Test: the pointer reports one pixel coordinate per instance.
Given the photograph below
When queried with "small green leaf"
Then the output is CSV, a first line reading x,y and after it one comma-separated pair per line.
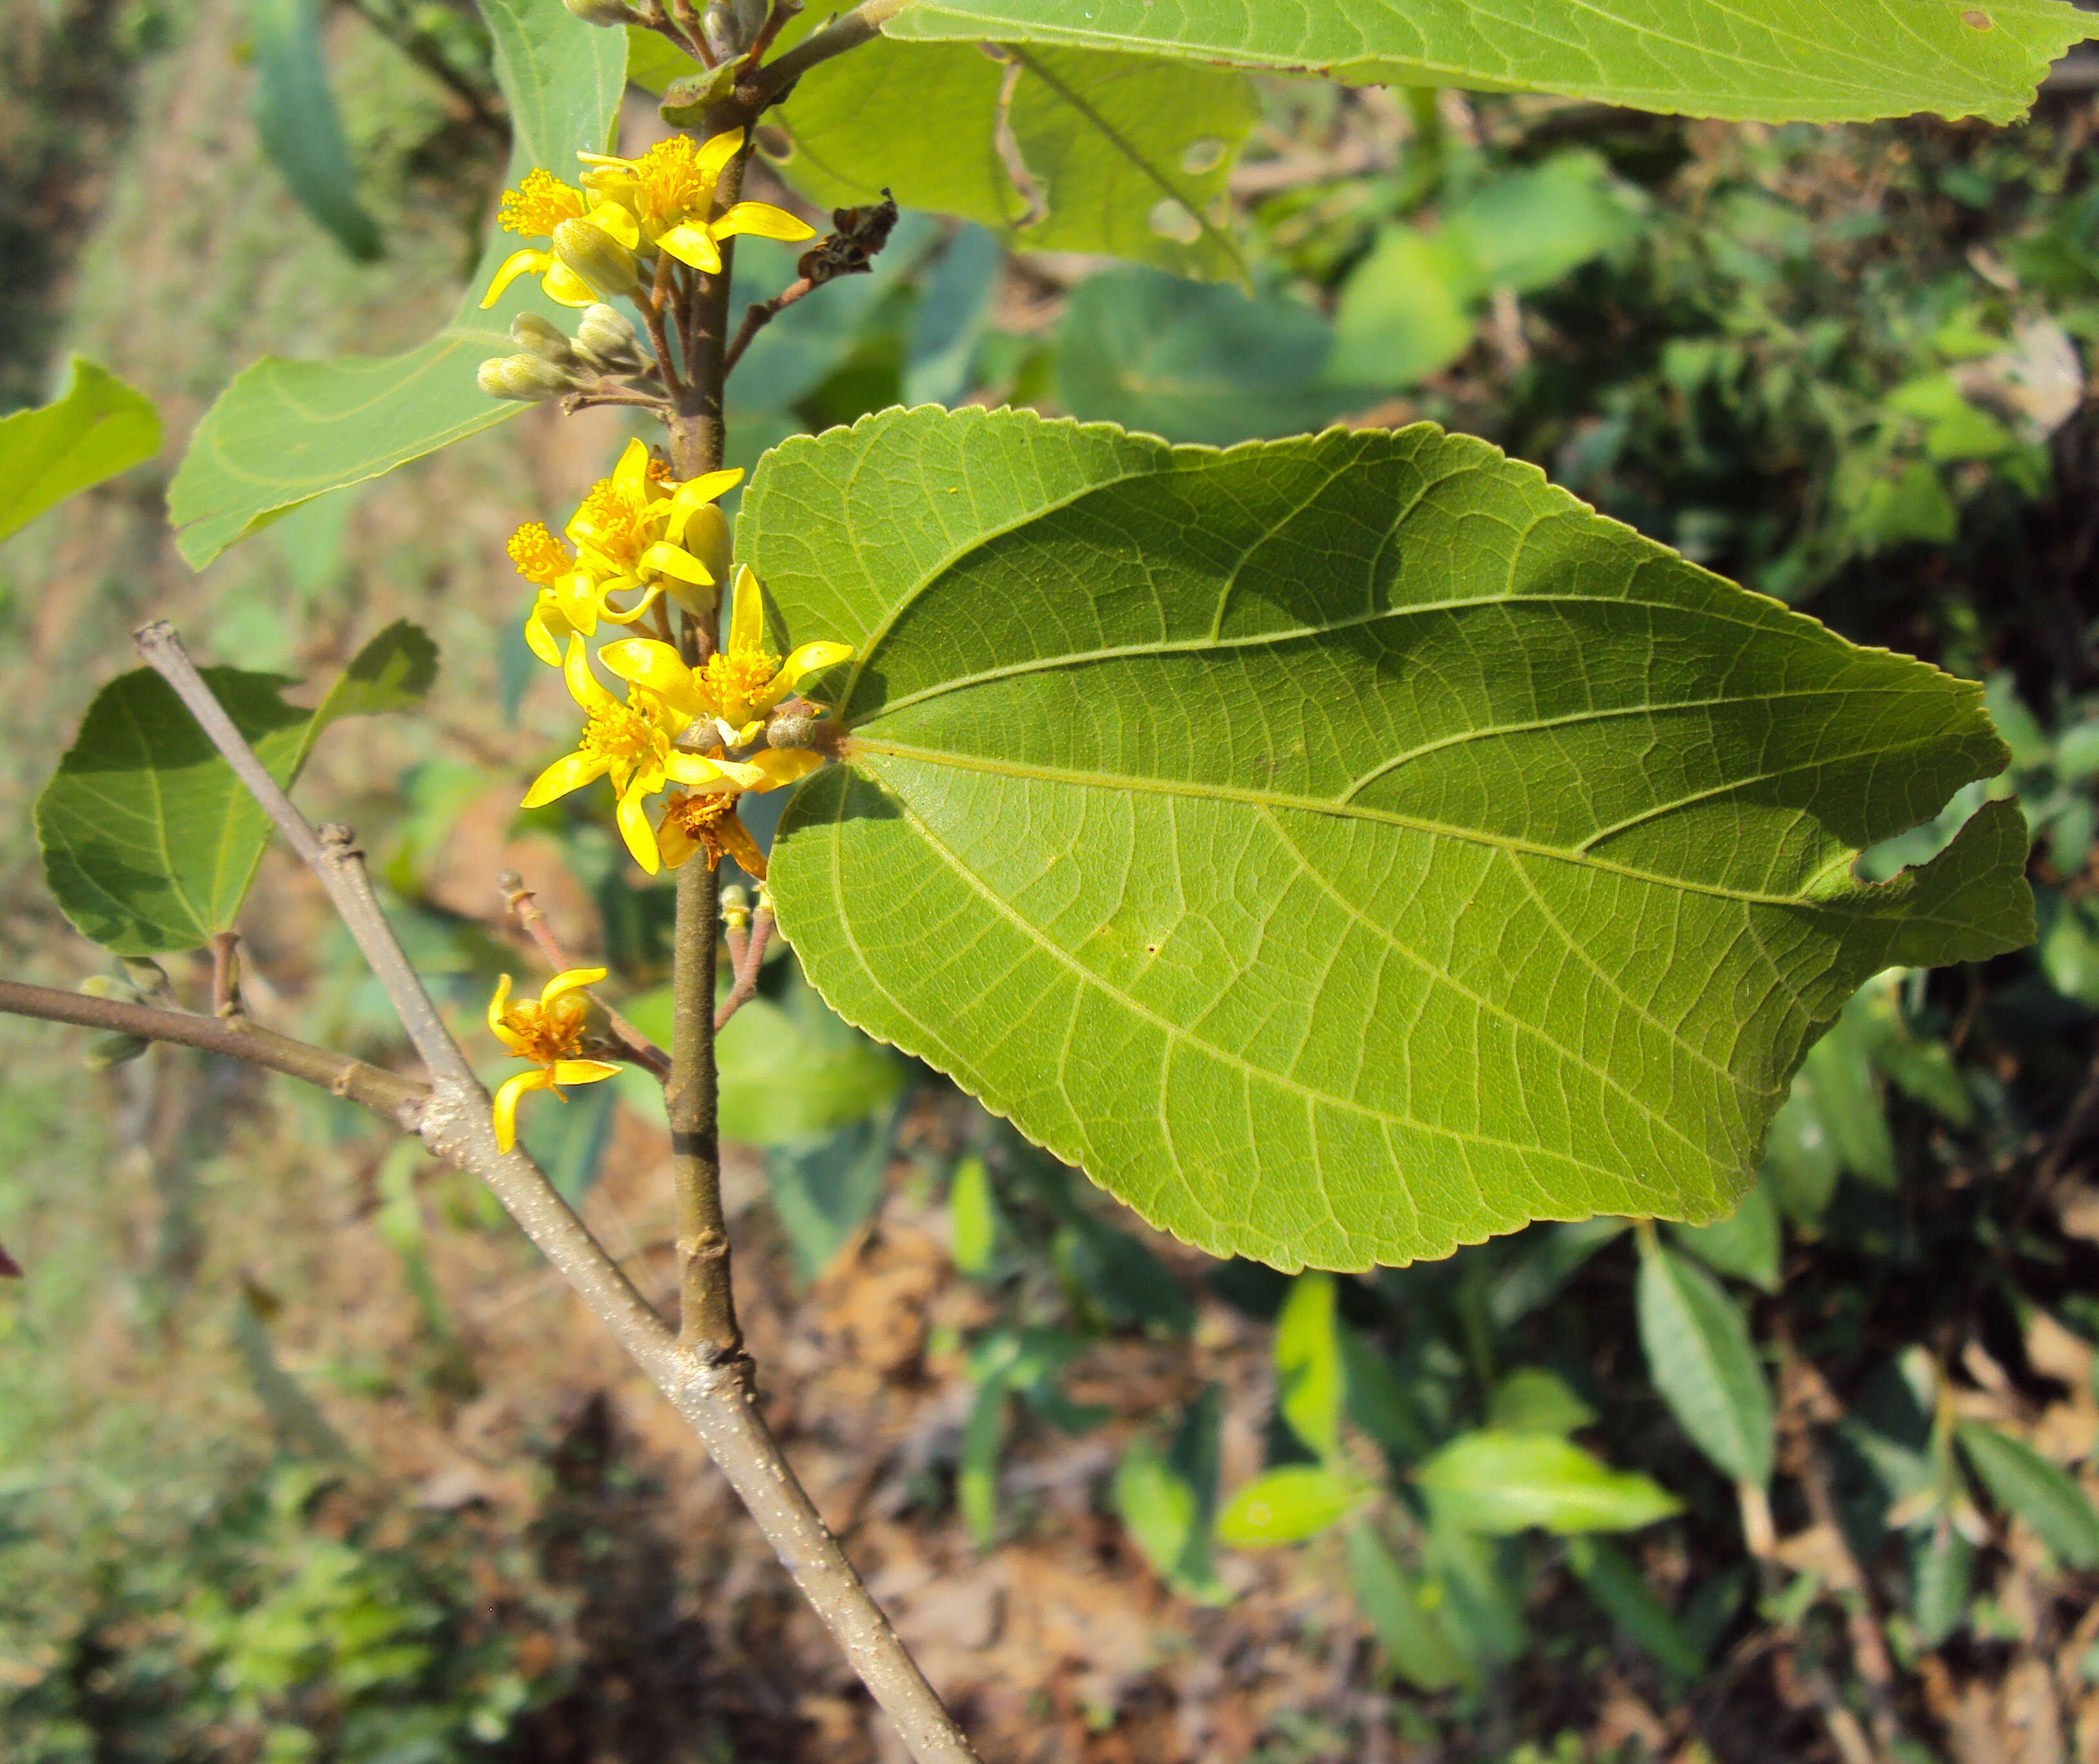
x,y
1167,1500
296,118
1288,1506
1848,60
1746,1243
984,1444
824,1190
286,431
973,1217
2046,1495
149,842
1377,1402
1243,788
1495,1484
1403,1608
1524,230
1405,311
1195,363
1611,1578
1128,1285
96,427
1942,1563
1309,1364
1531,1400
1701,1359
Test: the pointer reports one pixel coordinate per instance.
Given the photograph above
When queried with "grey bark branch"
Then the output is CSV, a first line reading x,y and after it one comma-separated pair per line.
x,y
715,1399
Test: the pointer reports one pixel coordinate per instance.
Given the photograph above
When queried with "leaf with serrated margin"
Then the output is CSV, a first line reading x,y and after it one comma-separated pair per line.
x,y
1128,155
95,428
1348,847
149,841
286,431
1768,61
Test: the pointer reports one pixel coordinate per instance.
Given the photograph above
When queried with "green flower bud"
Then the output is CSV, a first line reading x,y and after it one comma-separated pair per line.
x,y
526,378
599,258
612,15
605,340
111,1049
108,986
794,724
539,336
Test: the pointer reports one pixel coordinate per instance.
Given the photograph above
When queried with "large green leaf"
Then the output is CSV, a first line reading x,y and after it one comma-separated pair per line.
x,y
1841,60
1701,1359
286,431
1347,847
95,428
1123,154
1496,1484
149,841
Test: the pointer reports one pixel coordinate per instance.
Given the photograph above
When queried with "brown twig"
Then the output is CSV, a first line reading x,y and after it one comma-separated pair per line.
x,y
226,975
636,1046
399,1099
715,1397
747,962
758,315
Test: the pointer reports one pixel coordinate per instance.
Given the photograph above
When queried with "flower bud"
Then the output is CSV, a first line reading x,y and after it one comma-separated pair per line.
x,y
736,907
541,336
724,36
794,724
606,340
611,14
108,985
111,1049
526,378
599,258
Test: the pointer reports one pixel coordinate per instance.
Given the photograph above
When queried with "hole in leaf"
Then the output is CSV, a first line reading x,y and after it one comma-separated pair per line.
x,y
1172,220
1206,153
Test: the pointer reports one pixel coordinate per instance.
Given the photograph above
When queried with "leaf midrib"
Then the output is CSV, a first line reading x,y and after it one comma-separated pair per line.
x,y
1198,789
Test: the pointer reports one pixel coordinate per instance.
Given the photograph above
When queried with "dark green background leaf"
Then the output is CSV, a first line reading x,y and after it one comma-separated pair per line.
x,y
296,118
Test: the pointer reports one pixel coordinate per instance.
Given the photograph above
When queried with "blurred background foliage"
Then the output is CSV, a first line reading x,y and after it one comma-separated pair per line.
x,y
301,1458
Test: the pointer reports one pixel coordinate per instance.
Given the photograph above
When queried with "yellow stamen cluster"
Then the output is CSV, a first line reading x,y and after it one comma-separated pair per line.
x,y
539,205
540,557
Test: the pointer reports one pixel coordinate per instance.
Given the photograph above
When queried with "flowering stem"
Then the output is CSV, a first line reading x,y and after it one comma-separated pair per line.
x,y
747,960
634,1045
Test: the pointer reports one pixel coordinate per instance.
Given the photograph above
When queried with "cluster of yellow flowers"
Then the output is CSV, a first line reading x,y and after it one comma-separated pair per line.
x,y
607,237
701,735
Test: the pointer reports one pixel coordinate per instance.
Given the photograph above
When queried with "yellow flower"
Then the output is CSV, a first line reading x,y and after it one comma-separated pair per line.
x,y
737,686
628,533
631,743
533,210
669,191
549,1033
695,822
568,603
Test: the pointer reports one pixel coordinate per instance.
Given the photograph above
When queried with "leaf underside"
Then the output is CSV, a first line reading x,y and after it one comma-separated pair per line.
x,y
1347,847
286,431
1838,61
1052,149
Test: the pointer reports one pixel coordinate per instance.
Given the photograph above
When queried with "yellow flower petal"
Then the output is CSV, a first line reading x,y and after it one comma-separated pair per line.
x,y
780,766
527,262
540,635
746,615
717,151
583,685
617,221
634,830
704,771
762,219
571,771
562,284
631,473
810,658
570,980
652,664
669,560
675,842
613,615
692,245
504,1116
584,1072
577,596
497,1004
736,840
